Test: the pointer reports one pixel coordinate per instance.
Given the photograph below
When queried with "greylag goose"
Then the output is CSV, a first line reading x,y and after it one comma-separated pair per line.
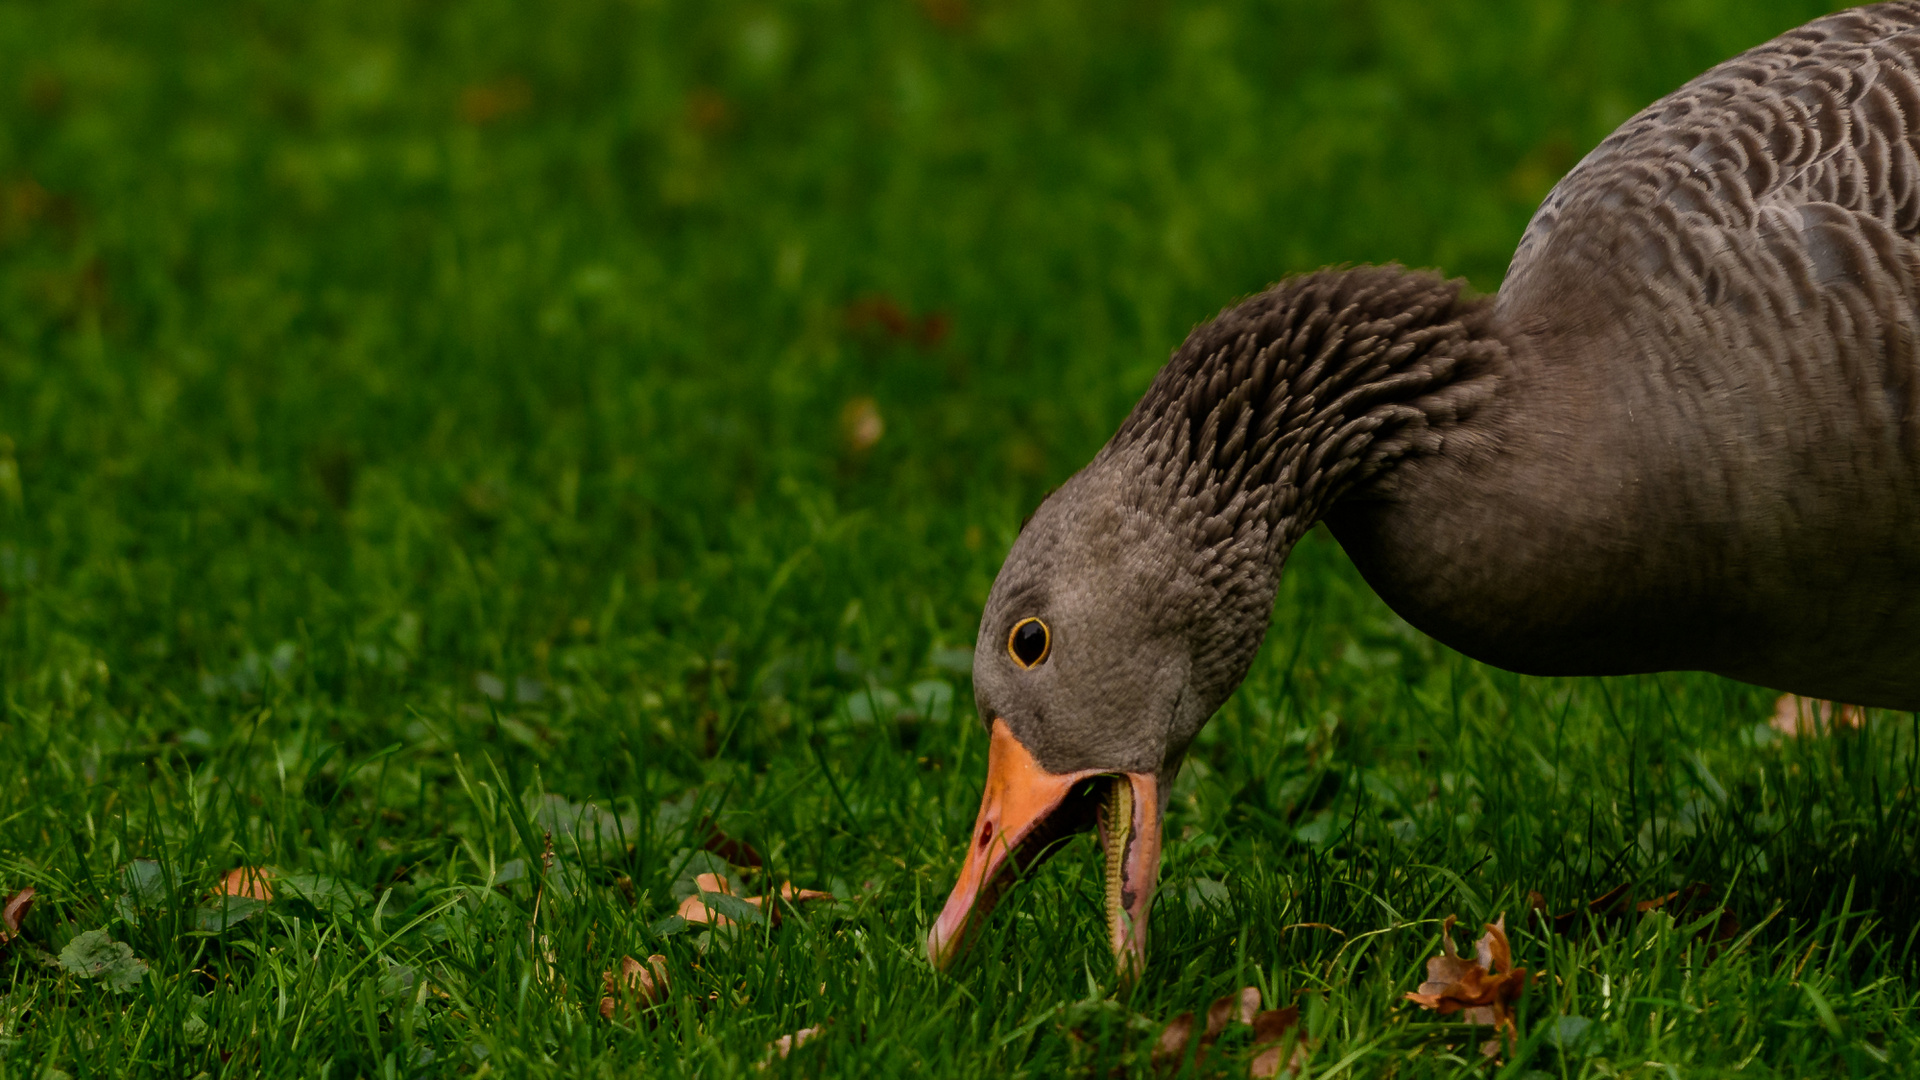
x,y
1684,435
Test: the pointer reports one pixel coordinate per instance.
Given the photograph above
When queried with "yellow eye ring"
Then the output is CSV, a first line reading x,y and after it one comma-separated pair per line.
x,y
1029,643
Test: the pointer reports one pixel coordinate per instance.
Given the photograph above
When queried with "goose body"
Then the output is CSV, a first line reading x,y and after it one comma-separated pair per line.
x,y
1685,434
1704,451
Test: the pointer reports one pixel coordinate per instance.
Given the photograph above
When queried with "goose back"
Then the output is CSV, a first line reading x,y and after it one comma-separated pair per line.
x,y
1705,448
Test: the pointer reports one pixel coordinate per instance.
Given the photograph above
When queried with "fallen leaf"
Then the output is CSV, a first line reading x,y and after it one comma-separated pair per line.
x,y
15,913
715,905
796,896
881,314
94,955
882,317
252,882
1270,1030
240,895
709,905
1171,1047
787,1044
860,425
1483,989
1794,715
1240,1007
1611,908
643,985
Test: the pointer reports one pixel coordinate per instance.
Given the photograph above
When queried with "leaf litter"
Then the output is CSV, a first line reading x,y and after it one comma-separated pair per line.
x,y
15,913
714,903
1483,990
243,893
635,986
1795,716
1610,910
1280,1046
779,1048
709,891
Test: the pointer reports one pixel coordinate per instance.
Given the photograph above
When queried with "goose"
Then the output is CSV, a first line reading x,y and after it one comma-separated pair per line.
x,y
1683,435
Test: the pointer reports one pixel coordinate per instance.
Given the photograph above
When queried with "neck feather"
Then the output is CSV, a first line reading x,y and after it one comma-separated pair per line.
x,y
1271,412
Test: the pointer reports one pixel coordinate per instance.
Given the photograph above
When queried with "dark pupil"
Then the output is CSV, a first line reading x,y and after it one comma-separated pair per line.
x,y
1030,643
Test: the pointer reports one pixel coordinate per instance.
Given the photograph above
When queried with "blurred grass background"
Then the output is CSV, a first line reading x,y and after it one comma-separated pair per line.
x,y
636,399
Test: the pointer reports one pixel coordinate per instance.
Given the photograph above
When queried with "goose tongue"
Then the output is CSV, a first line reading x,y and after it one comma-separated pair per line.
x,y
1130,837
1024,809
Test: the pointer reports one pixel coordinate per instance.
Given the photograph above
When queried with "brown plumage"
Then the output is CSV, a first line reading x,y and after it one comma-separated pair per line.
x,y
1684,435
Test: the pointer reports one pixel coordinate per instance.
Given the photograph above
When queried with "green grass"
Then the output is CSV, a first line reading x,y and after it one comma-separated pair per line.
x,y
413,415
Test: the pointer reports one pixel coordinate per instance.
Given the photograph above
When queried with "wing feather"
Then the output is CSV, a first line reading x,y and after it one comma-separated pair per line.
x,y
1766,213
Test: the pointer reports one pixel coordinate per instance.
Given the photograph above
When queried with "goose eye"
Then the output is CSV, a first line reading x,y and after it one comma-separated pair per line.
x,y
1029,643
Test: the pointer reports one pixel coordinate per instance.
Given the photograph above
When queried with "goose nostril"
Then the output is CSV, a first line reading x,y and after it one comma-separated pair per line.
x,y
986,833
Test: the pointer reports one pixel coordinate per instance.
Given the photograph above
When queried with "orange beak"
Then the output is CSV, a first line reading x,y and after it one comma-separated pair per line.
x,y
1025,808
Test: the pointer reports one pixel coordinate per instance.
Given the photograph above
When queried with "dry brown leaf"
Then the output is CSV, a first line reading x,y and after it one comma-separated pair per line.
x,y
252,882
1613,906
1240,1007
1482,990
795,896
1693,902
1537,903
879,315
1172,1044
787,1044
1270,1030
15,913
882,318
695,910
860,425
1794,715
636,984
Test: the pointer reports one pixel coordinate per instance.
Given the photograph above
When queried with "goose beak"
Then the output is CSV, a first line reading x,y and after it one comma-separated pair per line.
x,y
1026,808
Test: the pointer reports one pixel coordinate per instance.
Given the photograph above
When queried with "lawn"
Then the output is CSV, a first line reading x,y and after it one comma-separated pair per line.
x,y
490,463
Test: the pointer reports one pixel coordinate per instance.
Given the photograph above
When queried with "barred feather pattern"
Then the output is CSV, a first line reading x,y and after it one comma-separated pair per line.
x,y
1825,115
1756,227
1277,408
1285,402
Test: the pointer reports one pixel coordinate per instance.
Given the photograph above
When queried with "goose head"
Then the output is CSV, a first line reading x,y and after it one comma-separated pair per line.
x,y
1107,641
1137,596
